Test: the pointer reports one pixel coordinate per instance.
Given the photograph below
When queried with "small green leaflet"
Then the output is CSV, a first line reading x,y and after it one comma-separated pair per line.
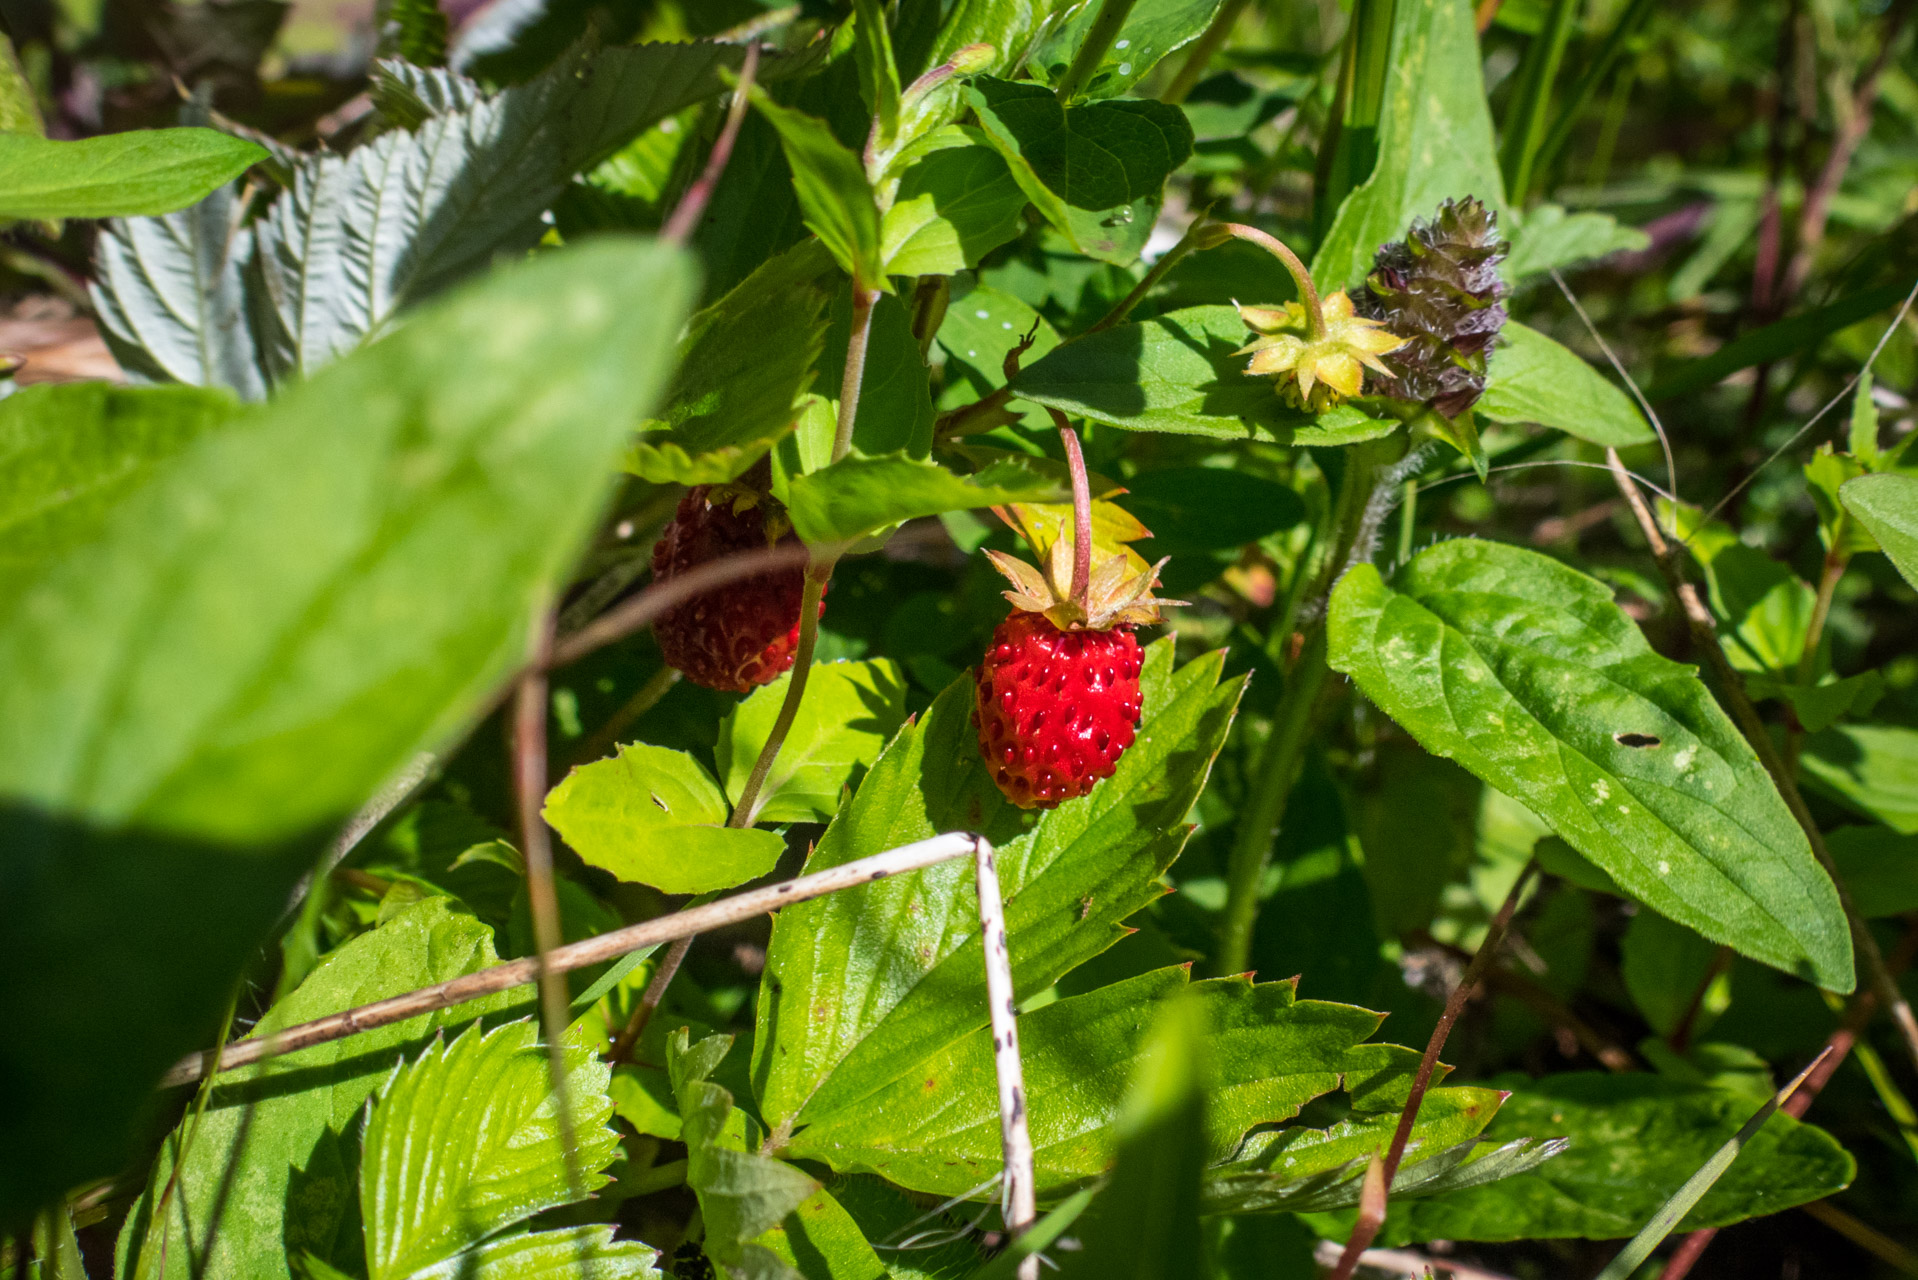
x,y
466,1141
1635,1138
1178,373
834,195
290,1149
1526,673
955,204
655,816
1095,172
1888,506
1531,378
143,172
849,711
857,496
1153,29
1550,238
1434,140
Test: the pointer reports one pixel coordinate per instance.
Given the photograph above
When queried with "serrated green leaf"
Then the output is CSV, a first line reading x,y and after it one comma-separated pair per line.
x,y
1549,238
849,1006
1434,140
70,453
744,363
467,1140
878,76
1869,768
143,172
1153,29
834,195
858,496
1635,1138
655,816
849,711
955,205
1888,506
569,1253
230,663
1526,673
285,1126
1531,378
1095,172
1178,373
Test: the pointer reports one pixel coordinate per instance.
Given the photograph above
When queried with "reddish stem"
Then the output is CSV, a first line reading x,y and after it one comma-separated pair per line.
x,y
692,205
1081,512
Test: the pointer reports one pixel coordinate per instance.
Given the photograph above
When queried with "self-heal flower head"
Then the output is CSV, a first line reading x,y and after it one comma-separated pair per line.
x,y
1316,373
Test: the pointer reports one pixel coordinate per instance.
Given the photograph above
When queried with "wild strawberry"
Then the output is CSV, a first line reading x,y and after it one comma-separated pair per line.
x,y
1058,690
738,637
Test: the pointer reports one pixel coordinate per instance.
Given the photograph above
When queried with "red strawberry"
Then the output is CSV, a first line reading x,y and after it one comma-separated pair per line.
x,y
1058,690
1056,708
738,637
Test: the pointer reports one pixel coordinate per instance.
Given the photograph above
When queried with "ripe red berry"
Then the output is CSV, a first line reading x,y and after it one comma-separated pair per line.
x,y
1056,708
738,637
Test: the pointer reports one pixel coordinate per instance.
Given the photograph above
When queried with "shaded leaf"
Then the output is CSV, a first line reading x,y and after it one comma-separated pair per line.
x,y
1178,373
1526,673
1879,867
1209,508
1888,506
849,711
1549,239
1531,378
1153,29
1798,335
857,496
654,815
140,172
955,204
215,675
1869,768
895,398
834,195
983,324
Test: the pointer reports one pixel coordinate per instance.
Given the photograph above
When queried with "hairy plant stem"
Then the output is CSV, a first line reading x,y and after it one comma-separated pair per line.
x,y
1099,37
692,205
536,846
863,301
1308,292
1704,632
1204,49
1293,721
1421,1082
746,811
1081,510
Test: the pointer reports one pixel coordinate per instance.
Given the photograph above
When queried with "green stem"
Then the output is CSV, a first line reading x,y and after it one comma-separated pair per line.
x,y
1408,519
1099,37
1203,50
1588,81
863,300
1525,122
1200,235
1350,147
747,808
1835,562
1302,278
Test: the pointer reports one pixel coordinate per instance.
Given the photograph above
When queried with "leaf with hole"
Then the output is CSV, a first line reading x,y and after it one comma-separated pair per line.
x,y
849,711
655,816
1524,671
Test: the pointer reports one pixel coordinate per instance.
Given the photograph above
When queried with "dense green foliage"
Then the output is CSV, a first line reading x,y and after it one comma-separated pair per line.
x,y
1489,673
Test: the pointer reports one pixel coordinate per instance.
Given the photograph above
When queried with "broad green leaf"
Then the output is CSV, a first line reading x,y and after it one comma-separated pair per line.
x,y
1526,673
1434,140
357,237
1533,379
1764,609
1662,964
861,986
1870,768
19,111
286,1127
467,1139
141,172
1209,508
955,205
654,815
1635,1138
233,660
744,363
984,323
834,195
935,1126
1145,1222
849,711
742,1194
857,496
819,1240
895,400
1178,373
1550,238
70,453
1888,506
569,1253
1879,867
1796,336
1153,29
1096,172
1826,474
1819,706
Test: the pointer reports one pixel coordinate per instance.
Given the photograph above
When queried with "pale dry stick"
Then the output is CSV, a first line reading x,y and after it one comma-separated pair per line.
x,y
1405,1262
1018,1198
577,955
1704,630
1367,1228
692,205
644,608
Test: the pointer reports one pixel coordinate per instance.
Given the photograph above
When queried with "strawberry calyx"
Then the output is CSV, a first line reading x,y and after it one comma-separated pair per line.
x,y
1116,596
